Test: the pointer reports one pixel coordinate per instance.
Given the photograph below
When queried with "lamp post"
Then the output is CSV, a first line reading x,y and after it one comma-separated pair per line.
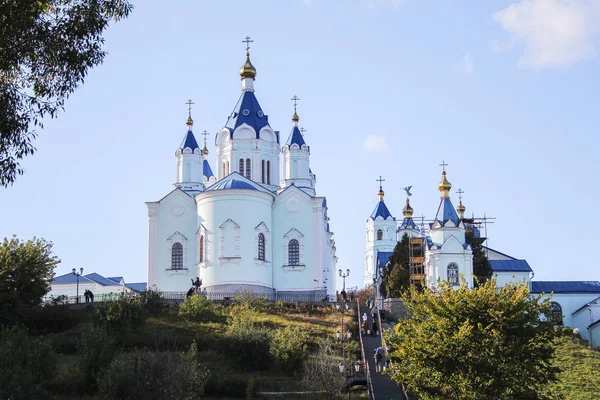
x,y
344,276
77,275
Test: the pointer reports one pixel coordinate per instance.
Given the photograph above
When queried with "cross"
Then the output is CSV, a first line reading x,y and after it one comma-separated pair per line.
x,y
302,130
380,180
295,100
247,41
205,134
189,103
460,193
443,165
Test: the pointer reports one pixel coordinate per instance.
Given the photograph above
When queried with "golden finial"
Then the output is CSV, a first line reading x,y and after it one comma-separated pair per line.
x,y
295,117
189,121
248,70
381,192
205,150
444,185
407,210
460,209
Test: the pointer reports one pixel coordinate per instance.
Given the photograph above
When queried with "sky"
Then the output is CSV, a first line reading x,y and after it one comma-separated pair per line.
x,y
505,92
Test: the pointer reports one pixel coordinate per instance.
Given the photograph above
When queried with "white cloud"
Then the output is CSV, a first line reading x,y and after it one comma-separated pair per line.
x,y
375,142
307,3
383,3
554,33
466,64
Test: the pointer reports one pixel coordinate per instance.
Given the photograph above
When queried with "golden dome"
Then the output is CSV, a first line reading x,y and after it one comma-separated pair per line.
x,y
248,70
295,117
460,208
407,210
444,186
380,194
189,121
205,150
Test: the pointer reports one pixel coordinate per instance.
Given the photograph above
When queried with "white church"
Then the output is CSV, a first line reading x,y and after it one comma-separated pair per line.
x,y
447,255
255,223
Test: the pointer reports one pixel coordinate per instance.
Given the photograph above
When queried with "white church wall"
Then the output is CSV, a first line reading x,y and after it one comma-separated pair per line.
x,y
584,318
570,302
503,278
175,214
294,216
247,210
373,246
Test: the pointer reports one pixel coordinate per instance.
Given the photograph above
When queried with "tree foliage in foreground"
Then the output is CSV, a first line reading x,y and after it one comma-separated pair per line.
x,y
26,270
396,278
486,344
46,50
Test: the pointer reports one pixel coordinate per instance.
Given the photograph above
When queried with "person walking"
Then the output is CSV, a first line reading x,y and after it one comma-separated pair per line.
x,y
379,359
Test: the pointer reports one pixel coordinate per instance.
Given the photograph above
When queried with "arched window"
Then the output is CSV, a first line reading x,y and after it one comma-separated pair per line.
x,y
293,252
177,256
248,168
224,173
379,234
452,276
201,250
263,171
556,314
268,172
261,247
241,166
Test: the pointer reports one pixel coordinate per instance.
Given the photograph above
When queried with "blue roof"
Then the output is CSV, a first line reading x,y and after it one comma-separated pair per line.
x,y
189,142
565,286
206,171
446,212
408,223
381,211
232,184
296,137
101,280
115,278
69,278
510,266
247,111
137,287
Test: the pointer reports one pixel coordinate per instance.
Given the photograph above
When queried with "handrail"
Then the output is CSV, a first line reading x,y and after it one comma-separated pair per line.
x,y
362,350
402,386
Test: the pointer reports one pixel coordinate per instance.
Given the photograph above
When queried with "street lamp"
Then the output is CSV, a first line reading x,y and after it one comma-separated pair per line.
x,y
344,276
77,275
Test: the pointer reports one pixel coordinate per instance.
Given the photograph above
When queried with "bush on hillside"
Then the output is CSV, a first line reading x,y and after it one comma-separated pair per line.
x,y
255,301
126,313
96,350
248,346
27,365
289,348
152,300
199,308
161,376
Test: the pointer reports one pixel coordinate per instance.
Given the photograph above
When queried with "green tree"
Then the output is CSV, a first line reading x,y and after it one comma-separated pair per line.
x,y
396,279
482,270
26,270
486,344
46,50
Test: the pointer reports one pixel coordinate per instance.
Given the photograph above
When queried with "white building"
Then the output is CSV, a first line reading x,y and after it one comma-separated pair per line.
x,y
72,285
257,224
448,255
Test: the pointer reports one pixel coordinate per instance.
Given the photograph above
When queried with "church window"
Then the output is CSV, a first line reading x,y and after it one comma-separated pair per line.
x,y
293,252
248,168
556,314
241,166
268,172
177,256
201,251
261,247
379,234
452,274
263,171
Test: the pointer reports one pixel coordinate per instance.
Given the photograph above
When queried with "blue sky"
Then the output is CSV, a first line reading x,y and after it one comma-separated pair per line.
x,y
506,92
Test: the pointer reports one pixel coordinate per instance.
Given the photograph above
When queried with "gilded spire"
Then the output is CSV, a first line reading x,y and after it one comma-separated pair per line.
x,y
295,117
460,209
190,121
444,186
381,193
407,210
248,70
205,150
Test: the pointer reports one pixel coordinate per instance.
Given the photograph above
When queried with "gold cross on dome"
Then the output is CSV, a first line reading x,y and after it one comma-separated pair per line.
x,y
247,41
443,165
205,134
189,103
460,193
380,180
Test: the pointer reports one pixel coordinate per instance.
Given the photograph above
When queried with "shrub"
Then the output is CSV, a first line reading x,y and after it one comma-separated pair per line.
x,y
145,375
123,314
321,373
27,365
248,346
288,348
228,386
152,301
96,350
256,301
198,308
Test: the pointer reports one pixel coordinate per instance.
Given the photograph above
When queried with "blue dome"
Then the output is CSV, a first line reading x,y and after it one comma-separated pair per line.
x,y
247,111
381,211
232,184
296,137
189,142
